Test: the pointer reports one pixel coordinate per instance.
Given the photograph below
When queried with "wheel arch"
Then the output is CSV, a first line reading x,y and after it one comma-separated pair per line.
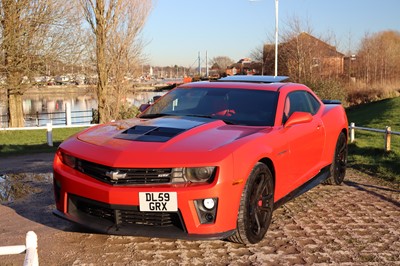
x,y
346,133
269,163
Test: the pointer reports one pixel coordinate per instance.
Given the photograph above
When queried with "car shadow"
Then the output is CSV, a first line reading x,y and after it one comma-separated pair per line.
x,y
31,196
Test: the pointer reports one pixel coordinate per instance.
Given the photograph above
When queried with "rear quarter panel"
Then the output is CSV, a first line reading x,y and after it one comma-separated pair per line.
x,y
335,121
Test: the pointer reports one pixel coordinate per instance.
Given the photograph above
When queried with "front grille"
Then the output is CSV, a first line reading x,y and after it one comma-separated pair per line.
x,y
125,176
161,219
122,215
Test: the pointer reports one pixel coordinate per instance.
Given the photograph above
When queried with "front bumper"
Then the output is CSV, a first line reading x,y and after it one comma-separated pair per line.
x,y
115,209
110,225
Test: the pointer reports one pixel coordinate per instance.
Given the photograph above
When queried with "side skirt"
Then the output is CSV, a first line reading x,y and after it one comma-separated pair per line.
x,y
313,182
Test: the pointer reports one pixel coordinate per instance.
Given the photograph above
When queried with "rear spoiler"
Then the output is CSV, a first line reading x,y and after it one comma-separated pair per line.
x,y
331,102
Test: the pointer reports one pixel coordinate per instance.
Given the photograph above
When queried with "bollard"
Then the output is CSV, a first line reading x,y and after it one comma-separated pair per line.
x,y
68,119
30,250
352,132
49,134
31,256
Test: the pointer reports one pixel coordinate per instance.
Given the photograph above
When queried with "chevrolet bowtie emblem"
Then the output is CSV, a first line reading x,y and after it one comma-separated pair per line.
x,y
115,175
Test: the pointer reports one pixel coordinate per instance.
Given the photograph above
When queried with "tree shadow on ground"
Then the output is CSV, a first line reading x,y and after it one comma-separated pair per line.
x,y
372,190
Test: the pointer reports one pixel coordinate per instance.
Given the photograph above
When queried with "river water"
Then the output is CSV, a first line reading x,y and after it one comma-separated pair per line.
x,y
41,107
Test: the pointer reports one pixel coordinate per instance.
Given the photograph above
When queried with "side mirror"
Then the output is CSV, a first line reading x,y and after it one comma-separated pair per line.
x,y
143,107
298,118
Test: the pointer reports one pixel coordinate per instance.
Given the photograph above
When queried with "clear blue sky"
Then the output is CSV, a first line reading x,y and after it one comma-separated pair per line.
x,y
177,30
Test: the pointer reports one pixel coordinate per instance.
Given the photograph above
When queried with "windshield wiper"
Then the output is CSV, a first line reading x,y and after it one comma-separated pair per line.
x,y
153,115
228,122
204,116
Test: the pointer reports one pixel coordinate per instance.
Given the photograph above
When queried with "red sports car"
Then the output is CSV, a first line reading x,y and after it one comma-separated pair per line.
x,y
208,160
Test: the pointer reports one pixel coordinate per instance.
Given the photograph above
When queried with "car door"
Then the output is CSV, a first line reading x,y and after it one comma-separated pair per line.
x,y
305,140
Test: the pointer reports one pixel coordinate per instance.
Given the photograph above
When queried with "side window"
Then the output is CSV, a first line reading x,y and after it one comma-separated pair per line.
x,y
286,110
314,104
300,101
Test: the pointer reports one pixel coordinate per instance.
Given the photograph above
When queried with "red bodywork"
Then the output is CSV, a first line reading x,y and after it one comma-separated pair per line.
x,y
295,152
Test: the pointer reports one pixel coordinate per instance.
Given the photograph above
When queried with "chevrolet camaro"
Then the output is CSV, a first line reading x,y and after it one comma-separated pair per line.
x,y
208,160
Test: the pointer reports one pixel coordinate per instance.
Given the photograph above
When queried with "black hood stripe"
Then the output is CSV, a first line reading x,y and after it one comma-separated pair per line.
x,y
161,129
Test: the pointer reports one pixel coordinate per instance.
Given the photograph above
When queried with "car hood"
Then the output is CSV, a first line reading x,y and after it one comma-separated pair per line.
x,y
169,134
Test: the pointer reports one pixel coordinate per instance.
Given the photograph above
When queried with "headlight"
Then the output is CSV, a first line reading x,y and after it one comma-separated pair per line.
x,y
198,174
193,174
67,159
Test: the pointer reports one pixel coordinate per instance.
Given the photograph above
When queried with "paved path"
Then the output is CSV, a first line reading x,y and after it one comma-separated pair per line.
x,y
357,223
33,163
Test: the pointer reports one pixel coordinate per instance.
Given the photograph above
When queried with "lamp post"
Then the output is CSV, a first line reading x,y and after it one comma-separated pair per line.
x,y
276,38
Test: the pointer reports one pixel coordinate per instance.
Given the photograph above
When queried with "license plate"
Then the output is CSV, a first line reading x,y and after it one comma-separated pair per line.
x,y
158,201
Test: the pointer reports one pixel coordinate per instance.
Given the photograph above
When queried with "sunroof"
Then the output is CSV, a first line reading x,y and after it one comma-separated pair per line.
x,y
259,79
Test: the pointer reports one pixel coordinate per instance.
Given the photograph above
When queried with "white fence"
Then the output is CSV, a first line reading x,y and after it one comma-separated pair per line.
x,y
30,250
387,131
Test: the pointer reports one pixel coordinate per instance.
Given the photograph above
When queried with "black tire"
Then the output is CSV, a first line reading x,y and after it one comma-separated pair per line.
x,y
339,163
256,206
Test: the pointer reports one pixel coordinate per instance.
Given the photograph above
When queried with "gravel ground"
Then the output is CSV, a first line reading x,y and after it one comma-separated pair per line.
x,y
356,223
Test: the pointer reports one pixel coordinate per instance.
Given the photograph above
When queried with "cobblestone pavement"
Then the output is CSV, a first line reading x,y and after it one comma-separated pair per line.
x,y
356,223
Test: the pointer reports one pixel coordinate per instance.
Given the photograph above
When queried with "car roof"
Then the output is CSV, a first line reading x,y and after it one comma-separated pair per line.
x,y
270,83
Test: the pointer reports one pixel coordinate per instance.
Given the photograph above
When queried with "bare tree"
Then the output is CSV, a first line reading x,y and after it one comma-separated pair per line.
x,y
257,54
33,32
378,59
116,27
292,55
221,63
302,56
298,51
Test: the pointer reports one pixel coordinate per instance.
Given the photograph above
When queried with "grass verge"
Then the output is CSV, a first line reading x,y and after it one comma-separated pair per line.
x,y
32,141
367,152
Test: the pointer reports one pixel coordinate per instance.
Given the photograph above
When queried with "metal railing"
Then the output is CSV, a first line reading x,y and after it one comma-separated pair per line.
x,y
30,250
4,120
40,119
55,118
387,131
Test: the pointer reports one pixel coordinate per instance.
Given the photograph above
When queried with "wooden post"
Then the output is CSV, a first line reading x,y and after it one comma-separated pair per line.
x,y
352,132
49,134
388,132
37,119
68,119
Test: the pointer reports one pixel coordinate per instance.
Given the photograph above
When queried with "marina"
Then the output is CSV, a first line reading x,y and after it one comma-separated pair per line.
x,y
48,103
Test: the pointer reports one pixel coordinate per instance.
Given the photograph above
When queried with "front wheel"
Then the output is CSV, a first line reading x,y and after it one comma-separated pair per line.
x,y
256,206
339,163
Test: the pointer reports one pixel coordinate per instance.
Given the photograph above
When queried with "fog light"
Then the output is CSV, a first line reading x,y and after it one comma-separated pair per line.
x,y
209,204
206,210
209,217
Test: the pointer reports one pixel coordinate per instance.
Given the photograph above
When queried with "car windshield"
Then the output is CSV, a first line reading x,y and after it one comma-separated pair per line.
x,y
234,106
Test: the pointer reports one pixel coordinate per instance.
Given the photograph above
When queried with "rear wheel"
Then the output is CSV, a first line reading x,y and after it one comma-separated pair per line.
x,y
339,163
256,206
